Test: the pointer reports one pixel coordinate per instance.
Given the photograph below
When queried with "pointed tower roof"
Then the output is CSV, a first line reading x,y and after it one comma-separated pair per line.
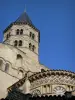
x,y
22,19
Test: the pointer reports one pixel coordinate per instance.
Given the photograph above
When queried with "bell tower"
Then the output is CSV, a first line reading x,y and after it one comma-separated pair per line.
x,y
23,35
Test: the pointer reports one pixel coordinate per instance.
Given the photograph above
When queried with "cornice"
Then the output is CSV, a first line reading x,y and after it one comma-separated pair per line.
x,y
48,73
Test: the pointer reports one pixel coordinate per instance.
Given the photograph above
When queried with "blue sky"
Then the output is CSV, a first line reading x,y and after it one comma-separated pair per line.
x,y
56,21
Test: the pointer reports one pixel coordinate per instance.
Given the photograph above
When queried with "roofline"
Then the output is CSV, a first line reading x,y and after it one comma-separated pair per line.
x,y
18,23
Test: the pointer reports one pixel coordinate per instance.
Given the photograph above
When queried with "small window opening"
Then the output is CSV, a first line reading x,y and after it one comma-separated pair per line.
x,y
15,43
21,31
19,56
30,45
7,36
1,63
30,34
17,32
6,67
20,43
33,48
33,36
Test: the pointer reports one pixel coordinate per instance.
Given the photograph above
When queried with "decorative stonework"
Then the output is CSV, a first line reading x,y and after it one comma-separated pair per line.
x,y
59,90
53,79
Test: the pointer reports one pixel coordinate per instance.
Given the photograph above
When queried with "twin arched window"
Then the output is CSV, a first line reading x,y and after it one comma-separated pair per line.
x,y
32,35
19,32
31,47
18,43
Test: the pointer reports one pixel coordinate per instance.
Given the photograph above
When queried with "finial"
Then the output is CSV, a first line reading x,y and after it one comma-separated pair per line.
x,y
25,8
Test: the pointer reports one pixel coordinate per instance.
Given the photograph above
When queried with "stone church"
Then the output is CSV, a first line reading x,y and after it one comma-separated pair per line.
x,y
20,67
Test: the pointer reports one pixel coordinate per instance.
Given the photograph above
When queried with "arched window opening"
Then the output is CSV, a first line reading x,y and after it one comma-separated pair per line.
x,y
33,48
17,32
20,42
7,36
33,36
30,34
15,43
1,63
30,45
6,67
19,56
21,31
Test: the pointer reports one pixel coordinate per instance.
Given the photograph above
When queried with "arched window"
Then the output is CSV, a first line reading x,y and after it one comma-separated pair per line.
x,y
33,36
19,56
17,32
30,34
20,42
7,36
33,48
6,67
1,63
21,31
15,43
30,45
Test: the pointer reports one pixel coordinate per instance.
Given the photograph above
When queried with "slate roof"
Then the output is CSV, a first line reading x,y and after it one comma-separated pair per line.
x,y
22,19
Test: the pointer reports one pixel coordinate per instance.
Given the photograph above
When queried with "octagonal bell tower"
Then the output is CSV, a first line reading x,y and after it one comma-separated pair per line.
x,y
23,35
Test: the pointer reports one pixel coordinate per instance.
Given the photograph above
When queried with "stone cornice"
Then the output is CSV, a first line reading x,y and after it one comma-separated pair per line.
x,y
42,75
51,72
